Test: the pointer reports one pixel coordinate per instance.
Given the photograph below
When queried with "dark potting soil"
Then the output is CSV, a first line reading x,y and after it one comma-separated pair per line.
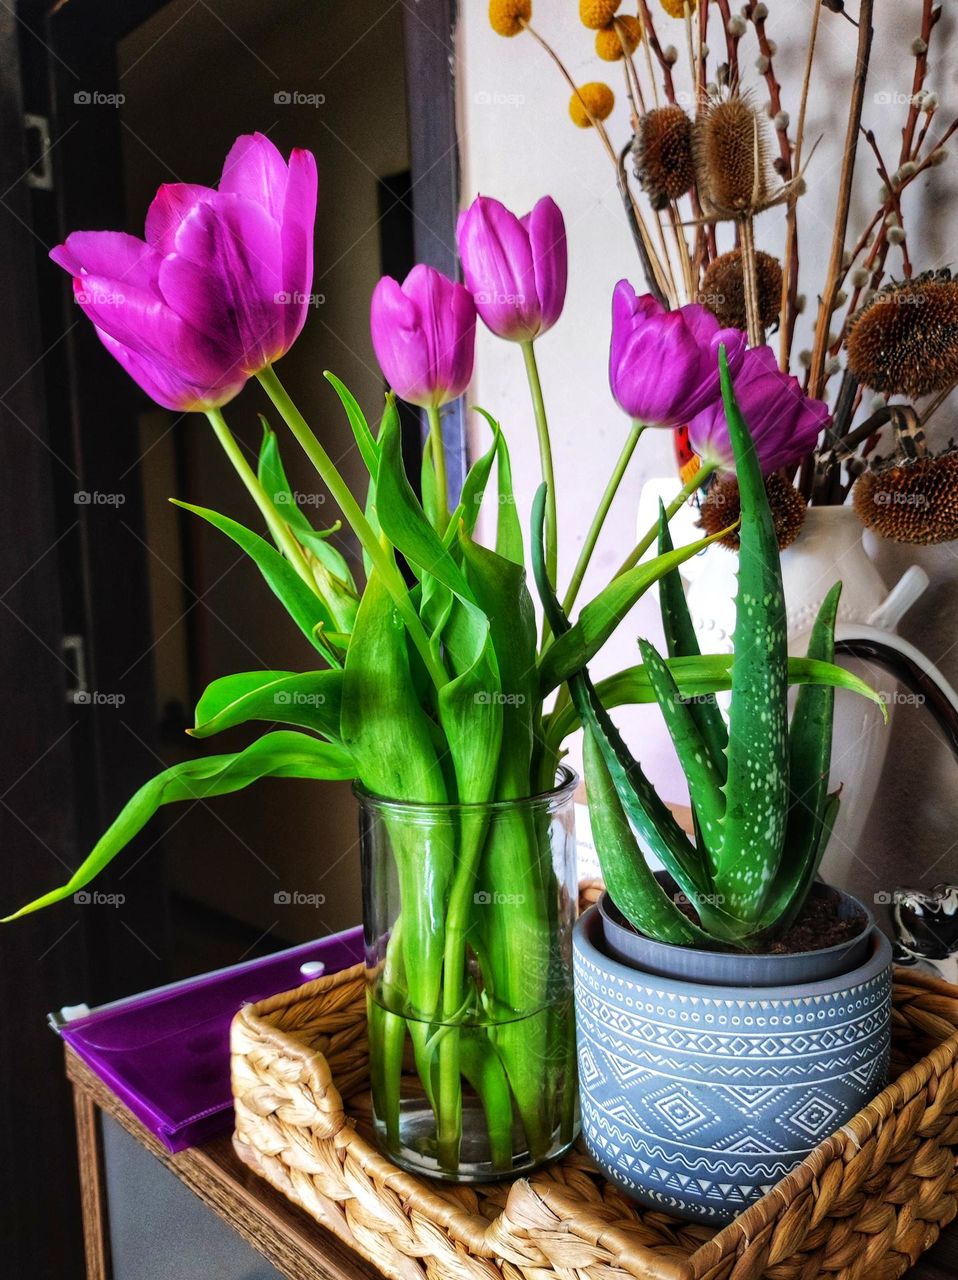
x,y
819,924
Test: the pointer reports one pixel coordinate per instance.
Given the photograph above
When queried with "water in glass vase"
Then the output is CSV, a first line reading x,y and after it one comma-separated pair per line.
x,y
468,914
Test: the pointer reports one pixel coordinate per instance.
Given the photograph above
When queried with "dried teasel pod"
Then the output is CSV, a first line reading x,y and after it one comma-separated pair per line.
x,y
911,499
663,155
722,507
731,154
723,289
904,340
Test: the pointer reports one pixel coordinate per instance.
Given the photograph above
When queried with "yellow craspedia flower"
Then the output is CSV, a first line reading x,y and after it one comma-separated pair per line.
x,y
625,31
597,13
508,17
676,8
593,101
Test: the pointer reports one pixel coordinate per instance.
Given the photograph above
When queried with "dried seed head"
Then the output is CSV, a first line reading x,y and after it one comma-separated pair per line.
x,y
722,507
597,14
592,101
731,158
610,40
509,17
911,500
904,341
723,289
662,151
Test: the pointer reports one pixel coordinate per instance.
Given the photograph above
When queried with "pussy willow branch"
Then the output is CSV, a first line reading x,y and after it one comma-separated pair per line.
x,y
827,303
895,195
731,43
649,32
784,165
650,268
790,258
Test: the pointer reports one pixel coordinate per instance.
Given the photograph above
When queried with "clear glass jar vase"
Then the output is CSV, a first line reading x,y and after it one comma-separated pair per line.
x,y
468,913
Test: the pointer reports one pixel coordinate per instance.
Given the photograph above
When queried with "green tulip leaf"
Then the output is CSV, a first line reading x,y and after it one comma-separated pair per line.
x,y
311,699
303,606
283,754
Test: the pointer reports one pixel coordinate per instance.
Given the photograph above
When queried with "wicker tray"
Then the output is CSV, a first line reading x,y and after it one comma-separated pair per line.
x,y
863,1206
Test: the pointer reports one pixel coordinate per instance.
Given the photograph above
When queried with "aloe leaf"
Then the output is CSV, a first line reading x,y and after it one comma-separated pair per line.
x,y
705,784
311,699
283,754
305,608
681,642
652,818
600,617
756,790
628,877
697,677
810,753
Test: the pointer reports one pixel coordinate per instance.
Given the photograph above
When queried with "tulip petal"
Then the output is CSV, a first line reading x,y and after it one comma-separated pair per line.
x,y
165,385
546,230
148,327
423,334
225,277
109,255
254,168
171,204
498,269
298,226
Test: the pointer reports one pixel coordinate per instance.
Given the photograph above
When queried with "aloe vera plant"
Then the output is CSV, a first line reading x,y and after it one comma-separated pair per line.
x,y
758,785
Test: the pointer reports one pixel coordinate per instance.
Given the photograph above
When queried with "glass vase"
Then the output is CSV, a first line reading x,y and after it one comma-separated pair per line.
x,y
468,913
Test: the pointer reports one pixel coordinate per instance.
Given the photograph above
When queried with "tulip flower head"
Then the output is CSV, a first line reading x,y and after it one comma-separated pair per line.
x,y
424,336
515,268
783,422
663,365
219,287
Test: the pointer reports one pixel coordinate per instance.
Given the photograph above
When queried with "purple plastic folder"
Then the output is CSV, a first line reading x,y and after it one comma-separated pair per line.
x,y
166,1053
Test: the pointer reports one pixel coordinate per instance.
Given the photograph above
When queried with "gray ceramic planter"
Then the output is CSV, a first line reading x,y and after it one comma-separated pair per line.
x,y
697,1098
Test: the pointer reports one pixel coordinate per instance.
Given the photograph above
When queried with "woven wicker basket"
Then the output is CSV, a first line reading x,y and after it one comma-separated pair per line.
x,y
863,1206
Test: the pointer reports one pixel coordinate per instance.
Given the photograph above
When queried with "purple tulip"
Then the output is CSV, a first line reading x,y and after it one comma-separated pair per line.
x,y
784,423
424,336
515,268
220,286
663,365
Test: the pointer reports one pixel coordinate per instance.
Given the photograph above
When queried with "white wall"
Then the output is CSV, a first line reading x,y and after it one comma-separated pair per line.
x,y
518,144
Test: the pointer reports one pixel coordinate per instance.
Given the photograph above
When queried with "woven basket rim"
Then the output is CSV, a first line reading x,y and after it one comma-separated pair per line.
x,y
479,1236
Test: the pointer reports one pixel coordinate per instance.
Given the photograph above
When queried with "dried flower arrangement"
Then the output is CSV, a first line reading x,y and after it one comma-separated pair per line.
x,y
884,336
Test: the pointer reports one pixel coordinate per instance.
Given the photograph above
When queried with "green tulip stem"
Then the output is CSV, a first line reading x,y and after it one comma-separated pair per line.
x,y
598,520
691,485
274,521
381,558
545,458
439,465
638,551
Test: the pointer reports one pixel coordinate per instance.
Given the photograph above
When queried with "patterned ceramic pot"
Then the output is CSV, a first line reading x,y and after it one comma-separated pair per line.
x,y
696,1099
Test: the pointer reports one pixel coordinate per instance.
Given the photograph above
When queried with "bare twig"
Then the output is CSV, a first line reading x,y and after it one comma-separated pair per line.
x,y
827,303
